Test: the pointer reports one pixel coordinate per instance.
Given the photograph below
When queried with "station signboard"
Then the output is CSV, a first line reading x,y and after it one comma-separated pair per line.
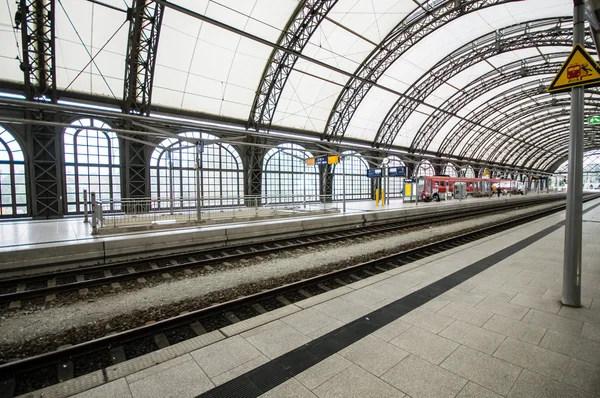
x,y
397,171
322,160
374,173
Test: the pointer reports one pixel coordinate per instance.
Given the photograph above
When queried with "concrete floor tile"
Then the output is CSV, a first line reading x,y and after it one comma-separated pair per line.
x,y
582,314
239,370
546,284
324,330
518,330
539,274
180,381
537,359
534,385
161,367
276,340
323,371
373,355
392,330
411,278
466,313
469,298
355,382
290,389
389,290
472,390
308,320
118,388
524,289
584,375
428,346
342,309
500,307
427,320
554,322
419,378
591,331
485,281
572,346
536,303
225,355
473,336
483,369
365,297
498,294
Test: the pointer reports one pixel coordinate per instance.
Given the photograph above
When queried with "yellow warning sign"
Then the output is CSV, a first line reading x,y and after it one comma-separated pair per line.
x,y
579,70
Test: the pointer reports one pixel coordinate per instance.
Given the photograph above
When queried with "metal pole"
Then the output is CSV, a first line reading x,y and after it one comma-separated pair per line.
x,y
85,207
572,261
94,214
198,213
170,182
344,185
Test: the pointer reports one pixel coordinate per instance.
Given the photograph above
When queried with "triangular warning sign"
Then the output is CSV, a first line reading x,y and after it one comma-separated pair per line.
x,y
579,70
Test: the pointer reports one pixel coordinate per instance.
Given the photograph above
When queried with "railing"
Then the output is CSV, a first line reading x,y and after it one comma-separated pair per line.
x,y
120,213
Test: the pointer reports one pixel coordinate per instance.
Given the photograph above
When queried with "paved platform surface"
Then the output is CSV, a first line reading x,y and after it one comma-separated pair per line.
x,y
481,320
27,233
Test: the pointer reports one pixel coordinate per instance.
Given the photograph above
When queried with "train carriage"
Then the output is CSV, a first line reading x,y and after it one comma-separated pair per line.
x,y
439,187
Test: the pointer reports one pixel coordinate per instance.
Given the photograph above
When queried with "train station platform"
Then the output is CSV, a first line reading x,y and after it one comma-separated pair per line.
x,y
33,243
480,320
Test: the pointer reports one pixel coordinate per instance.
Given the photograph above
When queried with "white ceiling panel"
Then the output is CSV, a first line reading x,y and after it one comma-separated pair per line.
x,y
371,19
370,114
10,52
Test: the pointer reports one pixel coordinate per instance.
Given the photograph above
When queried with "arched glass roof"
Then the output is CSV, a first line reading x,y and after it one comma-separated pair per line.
x,y
446,78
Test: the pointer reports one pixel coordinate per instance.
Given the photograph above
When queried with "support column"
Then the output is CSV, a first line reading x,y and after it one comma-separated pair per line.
x,y
46,168
572,261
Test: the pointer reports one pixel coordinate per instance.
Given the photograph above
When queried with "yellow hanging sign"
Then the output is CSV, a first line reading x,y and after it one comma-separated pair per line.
x,y
579,70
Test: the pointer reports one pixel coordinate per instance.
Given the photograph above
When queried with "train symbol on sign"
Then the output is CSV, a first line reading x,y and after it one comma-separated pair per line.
x,y
577,72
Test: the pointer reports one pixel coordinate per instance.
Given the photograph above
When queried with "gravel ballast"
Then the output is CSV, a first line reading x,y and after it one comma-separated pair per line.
x,y
30,331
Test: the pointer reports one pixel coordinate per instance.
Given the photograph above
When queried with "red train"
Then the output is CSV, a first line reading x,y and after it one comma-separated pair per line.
x,y
434,187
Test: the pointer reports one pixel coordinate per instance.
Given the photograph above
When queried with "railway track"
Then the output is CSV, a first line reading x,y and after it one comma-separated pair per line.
x,y
36,372
46,287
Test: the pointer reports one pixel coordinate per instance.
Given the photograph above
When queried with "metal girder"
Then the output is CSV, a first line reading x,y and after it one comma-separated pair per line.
x,y
539,33
36,18
563,143
44,167
253,162
308,16
145,18
531,125
539,130
144,31
417,25
560,144
515,114
37,34
461,130
534,66
552,129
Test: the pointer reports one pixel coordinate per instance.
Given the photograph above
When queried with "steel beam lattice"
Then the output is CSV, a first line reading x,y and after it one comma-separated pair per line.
x,y
534,66
142,44
410,31
38,42
541,33
308,16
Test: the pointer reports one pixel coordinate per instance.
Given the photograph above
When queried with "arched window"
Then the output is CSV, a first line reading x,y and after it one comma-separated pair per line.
x,y
92,163
285,176
173,172
13,188
396,183
358,185
469,172
425,169
450,170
